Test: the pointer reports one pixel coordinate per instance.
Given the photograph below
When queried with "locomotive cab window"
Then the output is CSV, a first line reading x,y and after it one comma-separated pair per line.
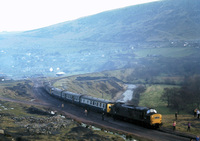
x,y
151,111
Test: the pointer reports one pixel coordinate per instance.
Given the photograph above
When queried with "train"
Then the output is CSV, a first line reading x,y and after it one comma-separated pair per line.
x,y
144,116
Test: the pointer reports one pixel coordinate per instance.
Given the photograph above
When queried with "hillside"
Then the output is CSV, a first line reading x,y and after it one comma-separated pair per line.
x,y
158,21
96,85
106,41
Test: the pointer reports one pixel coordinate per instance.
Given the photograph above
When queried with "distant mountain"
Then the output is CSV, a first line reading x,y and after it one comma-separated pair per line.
x,y
104,41
158,21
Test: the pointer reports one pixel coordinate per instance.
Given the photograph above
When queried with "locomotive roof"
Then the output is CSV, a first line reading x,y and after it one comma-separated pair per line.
x,y
57,89
96,99
71,93
134,107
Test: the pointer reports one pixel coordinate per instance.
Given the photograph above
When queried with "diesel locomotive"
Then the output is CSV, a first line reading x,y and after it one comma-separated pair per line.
x,y
140,115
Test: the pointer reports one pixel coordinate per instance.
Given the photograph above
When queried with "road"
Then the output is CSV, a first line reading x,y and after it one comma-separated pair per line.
x,y
94,118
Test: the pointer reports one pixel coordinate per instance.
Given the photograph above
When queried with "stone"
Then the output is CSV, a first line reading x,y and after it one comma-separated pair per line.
x,y
1,131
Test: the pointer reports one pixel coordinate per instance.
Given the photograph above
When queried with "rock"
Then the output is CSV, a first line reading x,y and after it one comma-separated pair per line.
x,y
1,131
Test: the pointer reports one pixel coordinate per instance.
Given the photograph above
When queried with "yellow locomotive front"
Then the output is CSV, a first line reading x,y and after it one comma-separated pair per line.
x,y
156,120
153,118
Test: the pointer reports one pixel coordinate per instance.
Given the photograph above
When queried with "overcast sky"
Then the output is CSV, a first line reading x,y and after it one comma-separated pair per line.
x,y
20,15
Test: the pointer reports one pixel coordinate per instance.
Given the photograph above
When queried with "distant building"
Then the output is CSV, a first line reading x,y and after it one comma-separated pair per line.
x,y
60,73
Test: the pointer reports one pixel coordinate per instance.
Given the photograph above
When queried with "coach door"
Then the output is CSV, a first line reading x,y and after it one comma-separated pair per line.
x,y
109,107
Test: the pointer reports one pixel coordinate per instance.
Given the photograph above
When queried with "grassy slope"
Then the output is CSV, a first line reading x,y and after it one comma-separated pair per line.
x,y
100,86
151,98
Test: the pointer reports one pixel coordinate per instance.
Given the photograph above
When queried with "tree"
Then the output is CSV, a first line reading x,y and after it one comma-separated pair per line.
x,y
191,89
173,97
187,97
177,101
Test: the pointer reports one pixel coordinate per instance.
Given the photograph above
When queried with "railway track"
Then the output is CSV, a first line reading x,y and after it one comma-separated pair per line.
x,y
94,118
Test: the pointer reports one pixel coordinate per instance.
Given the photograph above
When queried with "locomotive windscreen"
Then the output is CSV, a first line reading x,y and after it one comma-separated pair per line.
x,y
151,111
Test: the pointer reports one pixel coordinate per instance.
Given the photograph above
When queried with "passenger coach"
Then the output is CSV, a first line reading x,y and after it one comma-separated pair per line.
x,y
99,105
71,97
